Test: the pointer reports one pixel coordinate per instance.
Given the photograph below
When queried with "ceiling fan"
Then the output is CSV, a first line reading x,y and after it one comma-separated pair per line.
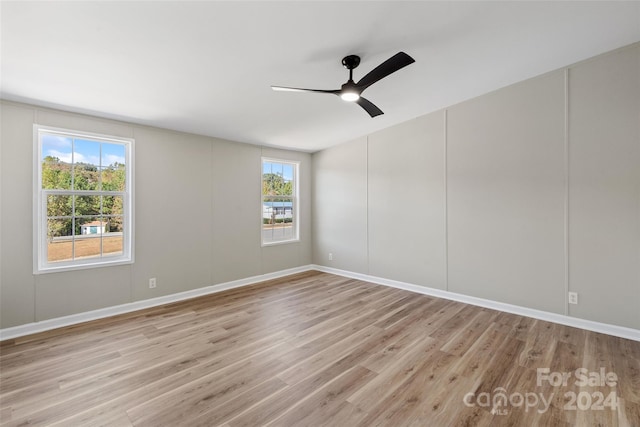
x,y
351,90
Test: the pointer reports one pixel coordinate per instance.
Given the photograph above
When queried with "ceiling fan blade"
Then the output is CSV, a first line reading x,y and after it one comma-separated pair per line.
x,y
369,107
296,89
391,65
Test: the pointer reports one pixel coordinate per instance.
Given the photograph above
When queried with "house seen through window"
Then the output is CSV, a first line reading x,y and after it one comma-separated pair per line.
x,y
279,201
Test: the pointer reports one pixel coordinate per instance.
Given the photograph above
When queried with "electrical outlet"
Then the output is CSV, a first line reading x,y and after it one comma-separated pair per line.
x,y
152,283
330,256
573,297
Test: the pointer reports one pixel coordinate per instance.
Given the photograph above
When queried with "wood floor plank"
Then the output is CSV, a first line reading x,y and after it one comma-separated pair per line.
x,y
538,349
307,366
201,394
458,342
393,344
321,337
146,383
312,349
401,397
326,401
239,404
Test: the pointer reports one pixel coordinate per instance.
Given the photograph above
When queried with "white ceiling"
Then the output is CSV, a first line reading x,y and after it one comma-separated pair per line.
x,y
206,67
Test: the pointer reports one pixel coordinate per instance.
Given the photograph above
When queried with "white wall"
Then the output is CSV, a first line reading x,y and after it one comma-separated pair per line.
x,y
528,192
181,180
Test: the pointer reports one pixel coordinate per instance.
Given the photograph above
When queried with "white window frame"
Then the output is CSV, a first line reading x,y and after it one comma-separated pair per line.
x,y
295,204
40,263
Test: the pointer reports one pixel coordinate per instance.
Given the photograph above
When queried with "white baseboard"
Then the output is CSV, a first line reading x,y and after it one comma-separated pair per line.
x,y
618,331
45,325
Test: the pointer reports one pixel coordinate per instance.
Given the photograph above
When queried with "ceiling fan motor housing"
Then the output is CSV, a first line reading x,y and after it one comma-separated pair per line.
x,y
350,62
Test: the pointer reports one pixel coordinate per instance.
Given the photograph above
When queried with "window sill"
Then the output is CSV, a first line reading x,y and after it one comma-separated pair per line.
x,y
284,242
88,265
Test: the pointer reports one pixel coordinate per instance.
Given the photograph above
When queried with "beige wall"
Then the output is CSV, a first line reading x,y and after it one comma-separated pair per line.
x,y
340,206
406,202
514,200
604,188
506,197
197,222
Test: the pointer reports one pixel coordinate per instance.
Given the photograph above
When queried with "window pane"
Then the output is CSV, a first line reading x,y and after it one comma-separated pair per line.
x,y
59,227
287,174
287,188
86,164
115,224
278,231
278,219
277,179
272,180
86,152
56,162
88,225
87,205
59,205
112,205
113,155
88,239
85,177
59,240
113,167
113,178
112,240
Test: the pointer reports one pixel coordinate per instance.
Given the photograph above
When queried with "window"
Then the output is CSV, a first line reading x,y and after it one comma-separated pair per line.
x,y
83,213
279,201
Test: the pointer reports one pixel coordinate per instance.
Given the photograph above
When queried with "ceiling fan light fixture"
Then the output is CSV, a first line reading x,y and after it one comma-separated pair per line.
x,y
350,96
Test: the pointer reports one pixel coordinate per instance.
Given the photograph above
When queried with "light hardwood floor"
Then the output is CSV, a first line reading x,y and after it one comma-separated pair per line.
x,y
314,349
